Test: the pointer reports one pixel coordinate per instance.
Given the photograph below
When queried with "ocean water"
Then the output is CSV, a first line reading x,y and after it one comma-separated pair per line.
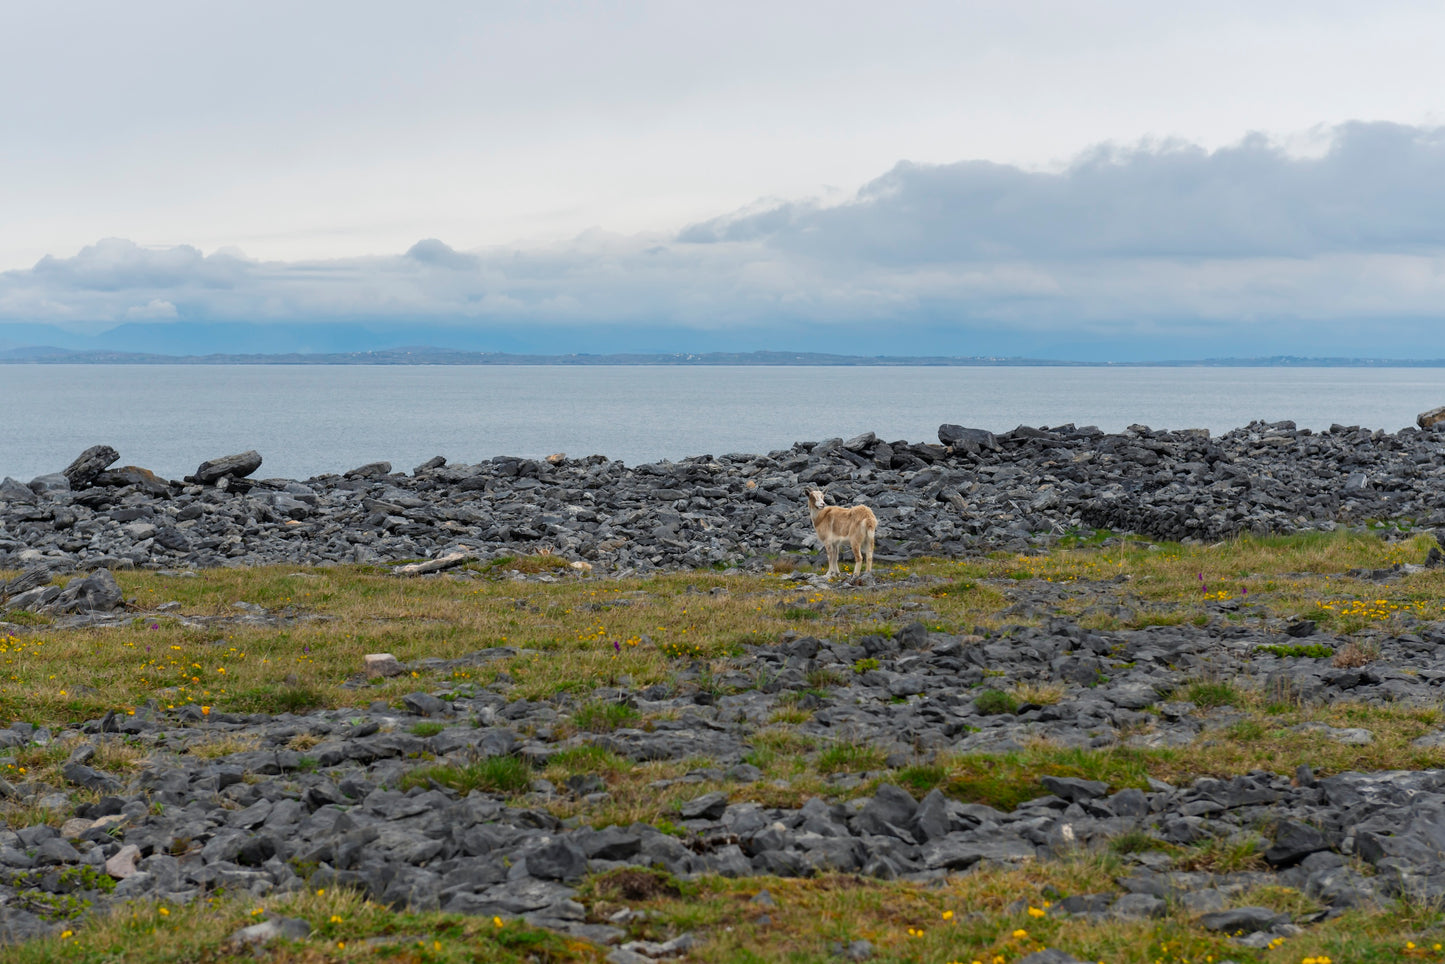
x,y
310,420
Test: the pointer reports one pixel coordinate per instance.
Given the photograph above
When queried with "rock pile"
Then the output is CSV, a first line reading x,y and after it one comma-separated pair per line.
x,y
973,490
262,815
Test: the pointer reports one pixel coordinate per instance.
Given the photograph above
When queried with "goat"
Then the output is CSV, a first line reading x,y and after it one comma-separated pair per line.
x,y
836,525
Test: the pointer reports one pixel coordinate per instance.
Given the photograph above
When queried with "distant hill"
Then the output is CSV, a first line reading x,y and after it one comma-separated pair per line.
x,y
425,355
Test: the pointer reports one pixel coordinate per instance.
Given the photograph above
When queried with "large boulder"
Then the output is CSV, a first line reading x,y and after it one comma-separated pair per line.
x,y
234,466
13,491
371,470
97,592
1431,418
143,479
30,579
970,440
88,465
50,485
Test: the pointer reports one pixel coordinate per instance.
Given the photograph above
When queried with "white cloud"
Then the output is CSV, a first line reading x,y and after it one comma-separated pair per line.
x,y
479,123
1150,240
153,310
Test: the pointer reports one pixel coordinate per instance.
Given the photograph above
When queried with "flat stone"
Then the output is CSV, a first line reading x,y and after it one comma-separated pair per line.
x,y
1137,907
292,928
1049,955
709,806
1349,735
1074,789
1243,920
234,466
380,665
123,863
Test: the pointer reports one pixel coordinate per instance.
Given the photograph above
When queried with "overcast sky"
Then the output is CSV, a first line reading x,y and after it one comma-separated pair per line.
x,y
1101,168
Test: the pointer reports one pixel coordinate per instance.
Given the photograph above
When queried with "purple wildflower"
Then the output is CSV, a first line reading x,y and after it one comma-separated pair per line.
x,y
616,645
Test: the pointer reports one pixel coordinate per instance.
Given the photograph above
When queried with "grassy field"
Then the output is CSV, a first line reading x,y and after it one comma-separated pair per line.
x,y
578,634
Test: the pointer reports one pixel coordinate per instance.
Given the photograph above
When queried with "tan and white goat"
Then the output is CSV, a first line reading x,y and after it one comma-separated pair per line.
x,y
836,525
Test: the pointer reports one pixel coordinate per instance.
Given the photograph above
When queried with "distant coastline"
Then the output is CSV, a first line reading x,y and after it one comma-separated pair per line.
x,y
451,357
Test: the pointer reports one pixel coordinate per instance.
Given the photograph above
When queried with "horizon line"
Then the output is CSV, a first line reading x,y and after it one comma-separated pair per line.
x,y
438,356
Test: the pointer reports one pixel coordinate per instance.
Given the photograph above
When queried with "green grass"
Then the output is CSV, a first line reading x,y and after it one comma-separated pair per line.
x,y
604,717
919,779
1209,694
344,927
1297,651
277,699
587,759
496,774
849,758
995,703
578,636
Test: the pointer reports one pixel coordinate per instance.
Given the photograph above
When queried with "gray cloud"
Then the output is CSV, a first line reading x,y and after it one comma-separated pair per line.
x,y
118,265
1378,188
1152,242
438,253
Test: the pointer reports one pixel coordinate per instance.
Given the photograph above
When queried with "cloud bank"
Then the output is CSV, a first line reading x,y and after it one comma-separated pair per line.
x,y
1162,250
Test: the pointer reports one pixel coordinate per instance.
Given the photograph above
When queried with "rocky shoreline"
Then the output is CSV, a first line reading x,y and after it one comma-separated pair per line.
x,y
314,799
969,492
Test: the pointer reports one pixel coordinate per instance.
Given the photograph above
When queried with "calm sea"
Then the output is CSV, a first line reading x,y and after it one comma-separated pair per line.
x,y
309,420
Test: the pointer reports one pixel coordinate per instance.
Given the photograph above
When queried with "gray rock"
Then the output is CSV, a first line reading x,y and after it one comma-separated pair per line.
x,y
561,859
1431,418
424,704
1243,920
88,464
1350,735
35,576
709,806
370,470
142,480
13,491
291,928
1049,955
971,440
888,813
959,851
1293,842
1137,907
122,863
51,485
931,820
1074,789
233,466
97,592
